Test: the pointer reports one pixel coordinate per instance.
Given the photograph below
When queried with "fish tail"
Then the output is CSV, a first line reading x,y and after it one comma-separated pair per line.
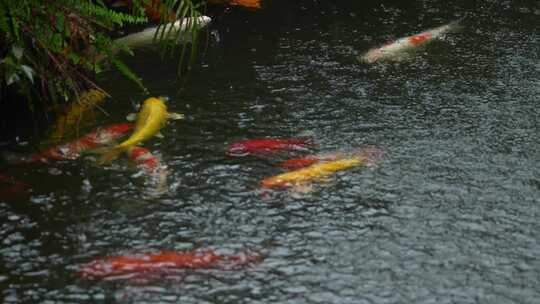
x,y
111,154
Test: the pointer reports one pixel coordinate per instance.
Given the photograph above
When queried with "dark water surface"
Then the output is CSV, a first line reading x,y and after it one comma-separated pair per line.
x,y
450,214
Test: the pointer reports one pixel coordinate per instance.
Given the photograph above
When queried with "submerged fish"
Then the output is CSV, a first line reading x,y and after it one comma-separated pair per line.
x,y
169,30
312,173
162,262
393,50
72,150
151,166
150,120
264,146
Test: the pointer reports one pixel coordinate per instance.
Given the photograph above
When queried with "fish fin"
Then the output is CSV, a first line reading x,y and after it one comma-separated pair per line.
x,y
131,117
175,116
110,155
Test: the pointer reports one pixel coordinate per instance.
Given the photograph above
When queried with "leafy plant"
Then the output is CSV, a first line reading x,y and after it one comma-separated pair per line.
x,y
50,50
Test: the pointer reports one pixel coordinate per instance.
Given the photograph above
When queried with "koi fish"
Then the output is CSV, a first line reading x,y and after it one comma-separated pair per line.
x,y
150,120
162,262
249,4
321,169
369,152
150,165
311,173
297,163
392,50
144,159
170,31
262,146
72,150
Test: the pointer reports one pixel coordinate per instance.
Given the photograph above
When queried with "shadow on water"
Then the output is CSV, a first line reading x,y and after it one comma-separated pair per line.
x,y
449,214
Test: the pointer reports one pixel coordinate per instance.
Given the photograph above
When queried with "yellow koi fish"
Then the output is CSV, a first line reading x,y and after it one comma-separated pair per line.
x,y
150,120
313,172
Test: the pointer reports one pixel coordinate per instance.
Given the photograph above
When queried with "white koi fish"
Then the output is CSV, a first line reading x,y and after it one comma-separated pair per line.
x,y
393,50
169,31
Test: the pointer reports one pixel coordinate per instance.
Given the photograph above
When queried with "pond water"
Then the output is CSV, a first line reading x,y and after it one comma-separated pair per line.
x,y
449,214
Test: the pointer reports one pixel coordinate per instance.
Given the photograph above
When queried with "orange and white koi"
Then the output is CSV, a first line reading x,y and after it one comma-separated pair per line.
x,y
100,136
393,50
151,166
162,262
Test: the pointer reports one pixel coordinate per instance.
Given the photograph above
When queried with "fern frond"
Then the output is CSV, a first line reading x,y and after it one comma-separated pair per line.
x,y
128,73
104,14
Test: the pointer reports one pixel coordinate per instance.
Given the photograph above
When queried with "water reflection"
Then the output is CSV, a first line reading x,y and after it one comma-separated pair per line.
x,y
450,213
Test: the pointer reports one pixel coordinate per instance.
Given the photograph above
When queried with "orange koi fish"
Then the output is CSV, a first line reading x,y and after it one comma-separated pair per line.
x,y
162,262
393,50
265,146
72,150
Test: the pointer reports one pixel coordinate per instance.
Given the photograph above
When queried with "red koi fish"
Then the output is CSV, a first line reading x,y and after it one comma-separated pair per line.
x,y
265,146
395,50
162,262
72,150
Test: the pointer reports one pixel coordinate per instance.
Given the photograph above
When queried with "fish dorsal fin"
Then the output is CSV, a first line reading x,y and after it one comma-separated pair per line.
x,y
175,116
